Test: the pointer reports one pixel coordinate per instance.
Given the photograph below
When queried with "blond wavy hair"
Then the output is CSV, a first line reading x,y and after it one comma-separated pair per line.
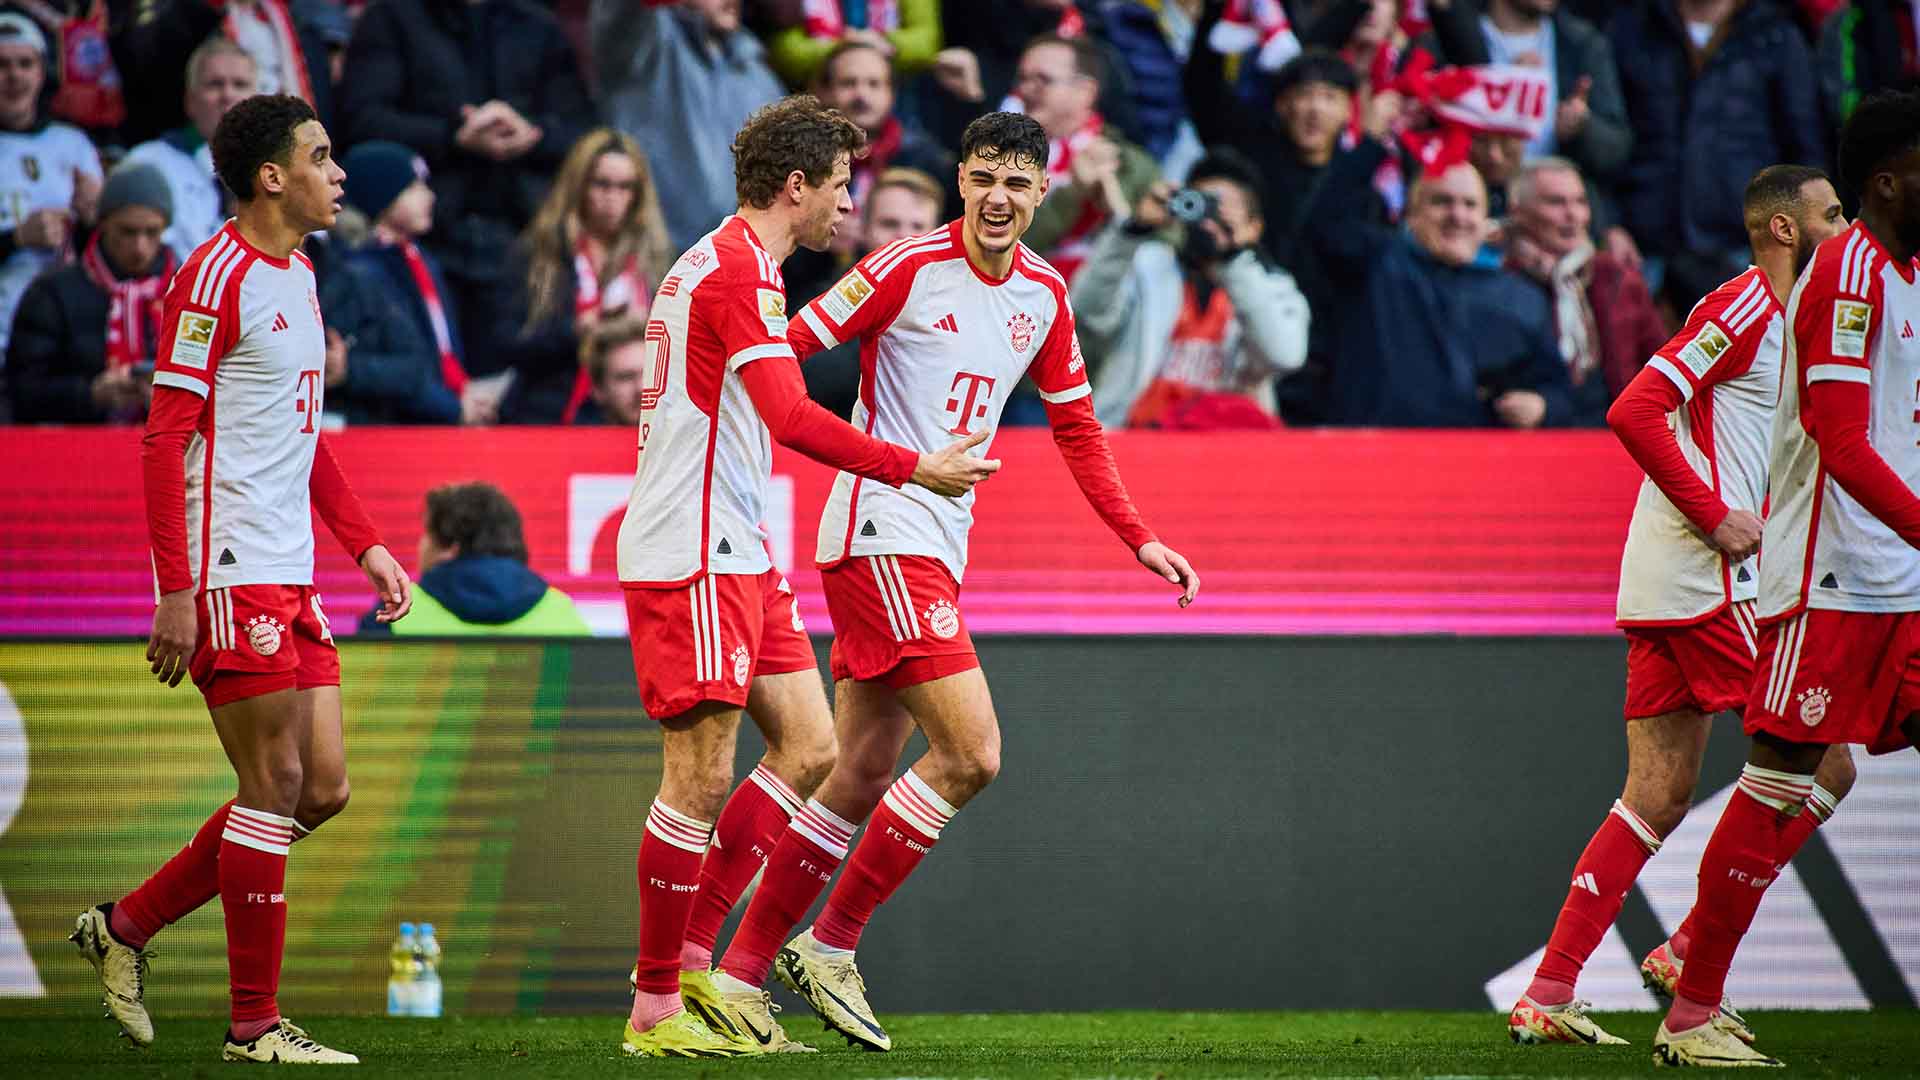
x,y
553,235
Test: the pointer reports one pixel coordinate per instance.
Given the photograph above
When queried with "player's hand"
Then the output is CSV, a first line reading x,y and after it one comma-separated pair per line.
x,y
953,471
175,633
1739,535
396,592
1520,409
1173,566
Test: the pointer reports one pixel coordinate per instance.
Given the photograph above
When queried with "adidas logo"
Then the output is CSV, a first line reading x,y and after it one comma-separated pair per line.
x,y
868,529
952,327
724,548
226,557
1829,582
1906,329
279,322
1585,881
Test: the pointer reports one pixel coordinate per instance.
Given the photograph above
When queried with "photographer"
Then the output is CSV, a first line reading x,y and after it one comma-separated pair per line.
x,y
1190,335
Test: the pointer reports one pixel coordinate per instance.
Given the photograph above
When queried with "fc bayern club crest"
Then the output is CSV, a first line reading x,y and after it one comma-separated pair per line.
x,y
944,618
1020,332
263,633
742,664
1813,705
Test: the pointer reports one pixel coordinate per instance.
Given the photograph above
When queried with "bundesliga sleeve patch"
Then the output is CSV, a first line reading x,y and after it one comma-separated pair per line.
x,y
194,343
841,301
1706,347
773,311
1850,321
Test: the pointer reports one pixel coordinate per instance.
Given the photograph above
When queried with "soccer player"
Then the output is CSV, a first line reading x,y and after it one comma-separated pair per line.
x,y
714,625
1697,418
1839,606
232,462
948,323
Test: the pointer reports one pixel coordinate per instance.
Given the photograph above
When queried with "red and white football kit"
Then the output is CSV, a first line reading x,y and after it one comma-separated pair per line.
x,y
1840,583
238,388
1698,419
942,347
706,610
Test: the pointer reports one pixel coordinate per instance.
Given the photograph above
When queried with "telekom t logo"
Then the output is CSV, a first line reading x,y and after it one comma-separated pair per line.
x,y
308,399
969,404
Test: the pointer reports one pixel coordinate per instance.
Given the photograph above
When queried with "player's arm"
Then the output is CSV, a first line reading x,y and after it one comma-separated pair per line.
x,y
340,509
1061,376
861,303
1833,334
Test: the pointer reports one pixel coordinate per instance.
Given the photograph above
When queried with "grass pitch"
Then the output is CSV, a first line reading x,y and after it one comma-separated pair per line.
x,y
1112,1044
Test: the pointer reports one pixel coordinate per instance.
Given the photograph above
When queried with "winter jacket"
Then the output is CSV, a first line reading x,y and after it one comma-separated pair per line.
x,y
151,40
490,595
387,267
1859,53
58,347
666,81
1417,343
1128,297
393,372
1703,124
544,357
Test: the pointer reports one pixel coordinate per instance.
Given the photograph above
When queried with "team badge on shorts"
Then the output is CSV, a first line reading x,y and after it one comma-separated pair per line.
x,y
943,618
1020,332
742,664
1813,705
263,633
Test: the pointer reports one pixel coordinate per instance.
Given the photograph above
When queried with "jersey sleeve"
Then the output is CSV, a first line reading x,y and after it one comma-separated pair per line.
x,y
862,301
1058,369
197,328
1721,337
749,314
1835,320
171,421
334,500
1639,418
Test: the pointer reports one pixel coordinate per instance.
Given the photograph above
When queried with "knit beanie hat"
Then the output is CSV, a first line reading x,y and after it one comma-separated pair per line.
x,y
135,184
377,172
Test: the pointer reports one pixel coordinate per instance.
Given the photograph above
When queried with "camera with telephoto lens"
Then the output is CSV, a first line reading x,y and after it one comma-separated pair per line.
x,y
1191,206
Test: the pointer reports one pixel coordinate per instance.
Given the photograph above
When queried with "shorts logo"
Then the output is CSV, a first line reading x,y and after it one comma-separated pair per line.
x,y
263,633
1850,321
773,311
194,340
1705,348
943,618
841,301
1020,332
1813,705
742,664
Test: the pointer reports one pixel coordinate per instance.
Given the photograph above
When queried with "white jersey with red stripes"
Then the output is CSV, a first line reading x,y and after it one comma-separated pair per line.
x,y
1854,317
242,329
942,347
1726,364
700,487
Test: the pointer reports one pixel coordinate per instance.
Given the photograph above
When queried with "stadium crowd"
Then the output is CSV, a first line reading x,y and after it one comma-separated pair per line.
x,y
1445,213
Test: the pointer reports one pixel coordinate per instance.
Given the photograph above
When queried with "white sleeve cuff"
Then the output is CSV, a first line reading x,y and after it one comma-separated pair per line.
x,y
180,382
819,327
1072,393
1661,365
759,352
1839,373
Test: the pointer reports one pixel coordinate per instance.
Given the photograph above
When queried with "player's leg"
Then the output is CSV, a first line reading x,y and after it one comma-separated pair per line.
x,y
323,761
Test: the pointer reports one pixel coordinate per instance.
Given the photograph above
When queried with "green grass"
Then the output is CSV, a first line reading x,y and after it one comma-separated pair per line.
x,y
1114,1044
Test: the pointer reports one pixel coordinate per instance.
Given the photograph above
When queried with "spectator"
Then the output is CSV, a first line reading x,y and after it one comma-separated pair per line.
x,y
1093,173
219,74
618,359
1153,44
1603,316
985,40
1870,45
1431,333
84,338
681,79
377,369
489,93
387,185
473,579
152,40
1589,117
597,248
1191,335
1715,91
49,173
906,33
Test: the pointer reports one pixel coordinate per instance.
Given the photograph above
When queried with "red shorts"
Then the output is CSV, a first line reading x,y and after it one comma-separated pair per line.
x,y
896,620
1706,665
1838,677
257,639
708,640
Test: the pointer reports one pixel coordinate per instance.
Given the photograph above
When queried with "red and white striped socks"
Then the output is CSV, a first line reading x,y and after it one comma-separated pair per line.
x,y
1601,878
745,835
903,829
1819,807
802,863
253,877
669,872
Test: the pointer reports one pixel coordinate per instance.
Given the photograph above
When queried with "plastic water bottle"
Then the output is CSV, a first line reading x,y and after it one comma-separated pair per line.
x,y
402,976
426,1001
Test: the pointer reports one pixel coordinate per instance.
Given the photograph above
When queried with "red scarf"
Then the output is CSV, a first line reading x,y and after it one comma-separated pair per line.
x,y
294,61
627,289
1077,241
880,151
451,370
133,306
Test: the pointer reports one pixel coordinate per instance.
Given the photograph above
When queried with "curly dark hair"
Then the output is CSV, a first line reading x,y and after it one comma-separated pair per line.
x,y
477,516
794,133
1882,127
252,133
1014,138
